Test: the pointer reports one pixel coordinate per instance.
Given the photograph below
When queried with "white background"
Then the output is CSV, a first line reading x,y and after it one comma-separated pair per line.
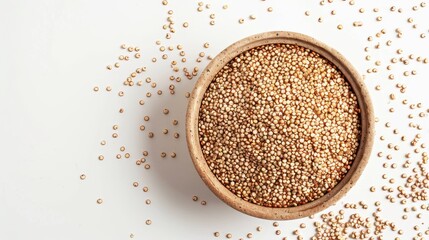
x,y
52,54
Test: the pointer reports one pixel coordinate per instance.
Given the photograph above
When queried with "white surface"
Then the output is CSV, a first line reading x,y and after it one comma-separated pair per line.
x,y
54,52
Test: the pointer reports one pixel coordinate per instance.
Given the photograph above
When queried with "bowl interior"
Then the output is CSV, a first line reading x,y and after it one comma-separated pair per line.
x,y
366,116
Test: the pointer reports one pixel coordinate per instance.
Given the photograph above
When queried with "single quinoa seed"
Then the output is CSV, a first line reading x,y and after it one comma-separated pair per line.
x,y
279,125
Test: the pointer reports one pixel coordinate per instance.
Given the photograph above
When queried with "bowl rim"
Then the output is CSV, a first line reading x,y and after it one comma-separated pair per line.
x,y
366,118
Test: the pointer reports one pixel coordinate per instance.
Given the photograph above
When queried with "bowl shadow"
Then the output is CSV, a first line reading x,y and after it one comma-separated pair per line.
x,y
177,177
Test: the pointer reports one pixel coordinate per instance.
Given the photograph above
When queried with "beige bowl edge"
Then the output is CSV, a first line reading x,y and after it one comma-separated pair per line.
x,y
367,126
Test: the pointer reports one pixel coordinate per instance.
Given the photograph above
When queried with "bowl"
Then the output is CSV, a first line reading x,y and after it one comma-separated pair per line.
x,y
366,118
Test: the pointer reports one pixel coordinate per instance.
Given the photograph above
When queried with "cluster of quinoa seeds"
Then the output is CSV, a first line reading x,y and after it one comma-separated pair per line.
x,y
279,125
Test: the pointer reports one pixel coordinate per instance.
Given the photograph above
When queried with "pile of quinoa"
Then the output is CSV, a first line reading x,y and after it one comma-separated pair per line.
x,y
279,125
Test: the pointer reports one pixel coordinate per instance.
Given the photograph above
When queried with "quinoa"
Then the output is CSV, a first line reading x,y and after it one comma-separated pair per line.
x,y
279,125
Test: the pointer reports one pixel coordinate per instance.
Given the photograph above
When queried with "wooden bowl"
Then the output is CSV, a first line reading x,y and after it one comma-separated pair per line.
x,y
366,114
